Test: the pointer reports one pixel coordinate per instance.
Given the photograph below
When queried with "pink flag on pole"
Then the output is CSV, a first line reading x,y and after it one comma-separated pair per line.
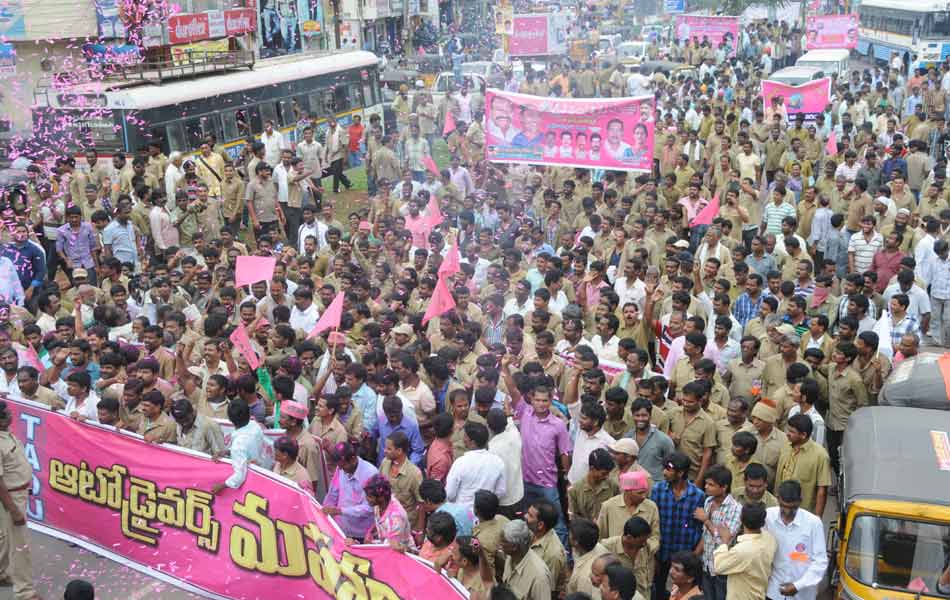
x,y
251,269
449,123
33,358
832,146
433,213
452,263
440,303
243,343
430,164
330,319
707,214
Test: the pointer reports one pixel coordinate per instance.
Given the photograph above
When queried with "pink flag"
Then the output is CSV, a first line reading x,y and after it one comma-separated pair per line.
x,y
251,269
330,319
34,359
449,123
452,263
832,146
430,164
433,213
707,214
440,303
243,343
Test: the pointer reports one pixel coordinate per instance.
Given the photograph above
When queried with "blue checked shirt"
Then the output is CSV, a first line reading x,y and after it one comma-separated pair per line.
x,y
745,309
898,330
678,529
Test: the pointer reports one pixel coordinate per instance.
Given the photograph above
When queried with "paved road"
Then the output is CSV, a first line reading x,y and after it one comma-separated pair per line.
x,y
56,563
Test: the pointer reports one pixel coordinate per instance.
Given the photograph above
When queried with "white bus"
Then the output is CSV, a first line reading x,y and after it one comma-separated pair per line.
x,y
917,30
233,105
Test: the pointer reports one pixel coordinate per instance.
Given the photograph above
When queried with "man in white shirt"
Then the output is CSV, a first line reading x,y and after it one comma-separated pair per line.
x,y
477,469
591,435
247,446
801,558
606,344
273,142
173,174
304,315
506,445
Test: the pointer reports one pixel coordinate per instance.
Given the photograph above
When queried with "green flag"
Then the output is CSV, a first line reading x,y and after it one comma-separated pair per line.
x,y
263,377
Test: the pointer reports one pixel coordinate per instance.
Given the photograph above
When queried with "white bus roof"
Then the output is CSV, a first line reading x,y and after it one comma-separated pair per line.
x,y
825,55
265,73
909,5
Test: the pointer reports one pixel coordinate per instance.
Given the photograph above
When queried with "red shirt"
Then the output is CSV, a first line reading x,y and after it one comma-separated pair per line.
x,y
356,134
886,264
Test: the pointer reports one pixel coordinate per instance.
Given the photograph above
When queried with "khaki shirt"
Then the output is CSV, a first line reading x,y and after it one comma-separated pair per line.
x,y
614,514
405,484
15,469
551,551
769,450
163,429
695,433
46,396
846,393
724,432
232,196
530,579
488,534
642,564
767,499
747,564
310,455
205,436
580,574
810,465
585,500
743,375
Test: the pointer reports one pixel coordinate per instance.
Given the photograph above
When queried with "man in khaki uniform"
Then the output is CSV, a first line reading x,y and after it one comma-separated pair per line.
x,y
156,426
524,571
16,475
694,431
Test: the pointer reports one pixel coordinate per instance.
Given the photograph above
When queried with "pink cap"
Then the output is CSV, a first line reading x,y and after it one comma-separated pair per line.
x,y
294,409
633,480
263,323
365,226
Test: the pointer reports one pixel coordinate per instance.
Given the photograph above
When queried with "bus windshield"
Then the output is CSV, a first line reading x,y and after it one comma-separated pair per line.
x,y
909,556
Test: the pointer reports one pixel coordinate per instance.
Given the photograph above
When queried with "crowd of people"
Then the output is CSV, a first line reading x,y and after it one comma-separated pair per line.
x,y
621,404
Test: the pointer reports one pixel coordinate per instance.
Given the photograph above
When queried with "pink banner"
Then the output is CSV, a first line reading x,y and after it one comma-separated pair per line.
x,y
610,133
809,98
530,36
831,31
714,29
150,507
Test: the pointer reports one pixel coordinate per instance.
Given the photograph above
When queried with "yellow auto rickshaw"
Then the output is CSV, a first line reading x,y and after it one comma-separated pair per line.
x,y
892,536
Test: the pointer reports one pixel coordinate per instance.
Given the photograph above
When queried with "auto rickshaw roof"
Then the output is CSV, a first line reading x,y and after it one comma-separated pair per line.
x,y
919,382
897,453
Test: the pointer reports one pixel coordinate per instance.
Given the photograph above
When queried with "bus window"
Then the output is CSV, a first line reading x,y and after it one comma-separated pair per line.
x,y
253,120
316,104
368,93
194,134
233,122
287,115
269,112
176,138
342,99
356,96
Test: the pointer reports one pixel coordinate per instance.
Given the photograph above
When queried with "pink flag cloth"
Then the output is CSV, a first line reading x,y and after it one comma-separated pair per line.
x,y
433,213
449,123
33,358
430,164
707,214
832,146
251,269
452,263
243,343
440,303
330,319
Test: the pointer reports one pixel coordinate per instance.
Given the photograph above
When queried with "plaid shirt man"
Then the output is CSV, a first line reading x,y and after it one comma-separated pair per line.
x,y
678,529
745,308
727,514
898,330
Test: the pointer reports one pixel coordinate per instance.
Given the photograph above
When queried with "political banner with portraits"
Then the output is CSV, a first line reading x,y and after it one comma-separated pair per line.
x,y
598,133
714,29
831,31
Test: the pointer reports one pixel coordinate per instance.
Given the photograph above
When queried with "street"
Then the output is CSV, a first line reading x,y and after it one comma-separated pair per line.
x,y
56,563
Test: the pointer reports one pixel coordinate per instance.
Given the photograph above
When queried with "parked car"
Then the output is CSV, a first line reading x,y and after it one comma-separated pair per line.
x,y
491,72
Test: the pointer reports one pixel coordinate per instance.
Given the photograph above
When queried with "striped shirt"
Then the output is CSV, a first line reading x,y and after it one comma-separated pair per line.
x,y
864,250
772,216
